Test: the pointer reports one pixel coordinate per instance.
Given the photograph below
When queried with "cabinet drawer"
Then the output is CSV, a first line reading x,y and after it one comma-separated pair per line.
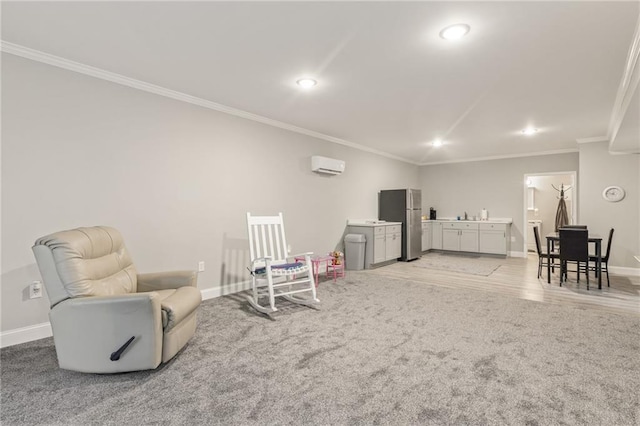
x,y
393,229
493,226
460,225
379,230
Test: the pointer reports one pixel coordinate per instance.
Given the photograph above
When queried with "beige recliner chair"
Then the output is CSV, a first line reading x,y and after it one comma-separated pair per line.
x,y
107,318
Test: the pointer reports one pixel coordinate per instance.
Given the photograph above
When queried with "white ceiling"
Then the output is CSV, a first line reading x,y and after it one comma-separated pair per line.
x,y
387,81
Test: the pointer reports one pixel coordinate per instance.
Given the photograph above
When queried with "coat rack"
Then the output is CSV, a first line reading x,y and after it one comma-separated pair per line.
x,y
562,218
561,190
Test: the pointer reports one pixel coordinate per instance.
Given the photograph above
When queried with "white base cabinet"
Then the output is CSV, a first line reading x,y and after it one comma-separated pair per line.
x,y
469,240
379,246
436,235
426,236
467,236
460,236
451,239
393,242
383,242
494,238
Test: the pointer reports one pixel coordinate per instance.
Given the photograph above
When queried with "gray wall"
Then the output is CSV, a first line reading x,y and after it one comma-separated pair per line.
x,y
497,185
177,179
174,178
599,169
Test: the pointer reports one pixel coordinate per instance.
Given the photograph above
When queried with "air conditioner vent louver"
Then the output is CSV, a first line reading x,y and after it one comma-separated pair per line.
x,y
327,165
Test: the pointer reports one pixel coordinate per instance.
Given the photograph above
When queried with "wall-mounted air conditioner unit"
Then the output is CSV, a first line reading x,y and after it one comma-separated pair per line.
x,y
326,165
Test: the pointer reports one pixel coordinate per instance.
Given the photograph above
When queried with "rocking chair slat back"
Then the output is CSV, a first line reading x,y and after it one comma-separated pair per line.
x,y
267,239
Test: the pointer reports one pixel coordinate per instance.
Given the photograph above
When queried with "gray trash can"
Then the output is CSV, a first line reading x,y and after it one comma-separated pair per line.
x,y
354,251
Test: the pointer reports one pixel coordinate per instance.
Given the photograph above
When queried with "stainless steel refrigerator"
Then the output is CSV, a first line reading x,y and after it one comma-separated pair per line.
x,y
404,205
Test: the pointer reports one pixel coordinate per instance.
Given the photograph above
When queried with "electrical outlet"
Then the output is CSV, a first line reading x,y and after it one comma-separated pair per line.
x,y
35,290
513,239
201,266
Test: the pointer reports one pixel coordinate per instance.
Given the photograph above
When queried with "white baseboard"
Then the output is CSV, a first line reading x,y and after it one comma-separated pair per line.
x,y
41,331
25,334
213,292
623,270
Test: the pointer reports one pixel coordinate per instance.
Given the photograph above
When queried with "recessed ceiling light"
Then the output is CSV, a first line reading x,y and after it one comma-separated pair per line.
x,y
455,32
529,131
306,83
437,143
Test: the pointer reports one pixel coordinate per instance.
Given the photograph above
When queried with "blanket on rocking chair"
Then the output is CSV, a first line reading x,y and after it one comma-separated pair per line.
x,y
283,269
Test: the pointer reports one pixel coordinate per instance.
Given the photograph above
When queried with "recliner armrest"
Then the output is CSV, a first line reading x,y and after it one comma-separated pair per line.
x,y
180,305
167,280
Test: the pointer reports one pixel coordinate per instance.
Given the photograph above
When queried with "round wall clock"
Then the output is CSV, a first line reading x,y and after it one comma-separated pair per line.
x,y
613,193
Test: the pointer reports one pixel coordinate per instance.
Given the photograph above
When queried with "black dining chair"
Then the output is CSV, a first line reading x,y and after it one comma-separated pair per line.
x,y
542,255
574,247
572,227
605,259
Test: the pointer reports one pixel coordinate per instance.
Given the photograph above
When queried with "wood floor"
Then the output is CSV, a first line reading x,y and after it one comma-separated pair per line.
x,y
517,277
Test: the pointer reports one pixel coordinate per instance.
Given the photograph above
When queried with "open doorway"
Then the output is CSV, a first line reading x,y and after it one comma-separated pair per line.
x,y
541,197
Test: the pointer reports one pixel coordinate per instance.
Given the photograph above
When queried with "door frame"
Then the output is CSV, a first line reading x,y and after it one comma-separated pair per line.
x,y
574,204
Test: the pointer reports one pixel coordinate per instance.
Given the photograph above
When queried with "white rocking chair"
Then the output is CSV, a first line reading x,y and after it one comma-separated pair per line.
x,y
275,273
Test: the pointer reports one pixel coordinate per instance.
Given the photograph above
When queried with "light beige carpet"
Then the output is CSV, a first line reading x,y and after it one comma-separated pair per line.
x,y
377,351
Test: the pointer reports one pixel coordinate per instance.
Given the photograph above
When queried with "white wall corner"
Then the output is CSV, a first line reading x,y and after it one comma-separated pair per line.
x,y
628,84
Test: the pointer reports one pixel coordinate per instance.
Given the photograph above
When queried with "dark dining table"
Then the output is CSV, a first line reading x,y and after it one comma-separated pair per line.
x,y
596,239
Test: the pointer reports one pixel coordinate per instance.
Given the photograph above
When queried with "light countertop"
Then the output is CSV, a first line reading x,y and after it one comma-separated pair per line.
x,y
371,222
452,219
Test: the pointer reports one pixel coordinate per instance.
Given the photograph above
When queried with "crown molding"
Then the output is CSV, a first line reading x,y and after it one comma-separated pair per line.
x,y
503,157
56,61
46,58
593,140
625,152
627,88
